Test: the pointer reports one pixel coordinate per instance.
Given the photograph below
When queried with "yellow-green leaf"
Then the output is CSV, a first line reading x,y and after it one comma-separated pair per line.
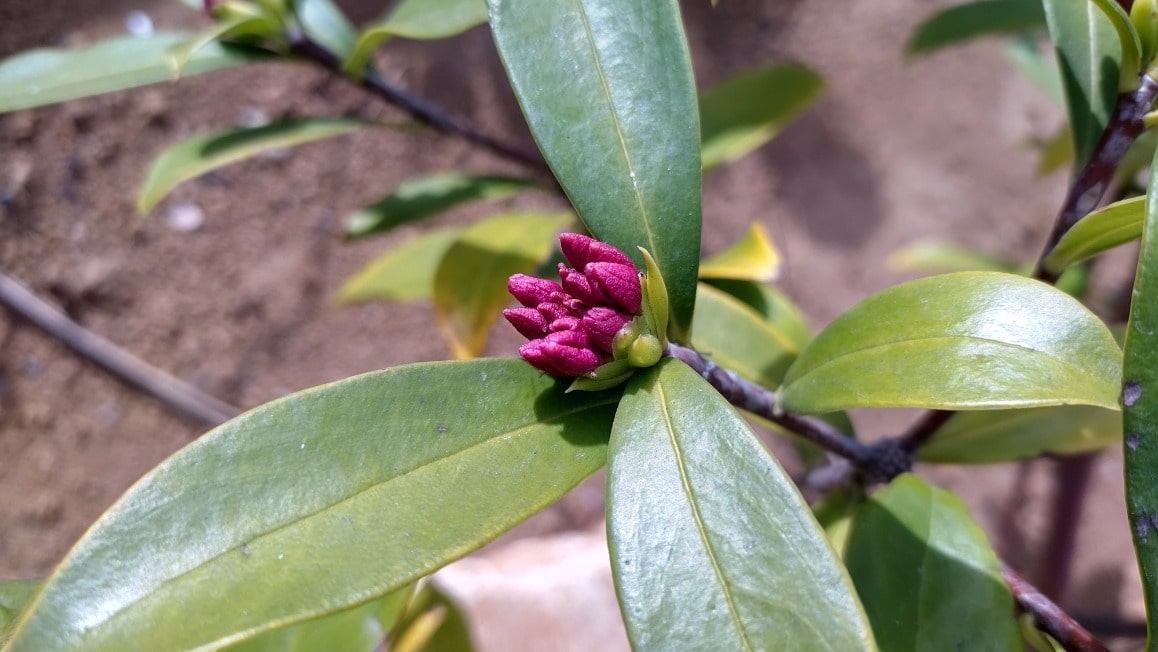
x,y
996,436
1098,232
963,341
51,75
739,338
418,19
470,286
405,273
746,111
196,156
752,258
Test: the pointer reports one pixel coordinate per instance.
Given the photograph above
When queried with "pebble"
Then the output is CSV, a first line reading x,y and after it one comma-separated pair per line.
x,y
184,217
139,24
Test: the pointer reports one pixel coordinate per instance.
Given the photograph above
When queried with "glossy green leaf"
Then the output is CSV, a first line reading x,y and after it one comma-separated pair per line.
x,y
1088,53
606,87
963,341
926,574
1098,232
318,502
752,258
405,273
996,436
361,629
421,197
470,286
739,338
746,111
936,257
418,19
432,623
1140,409
773,305
1024,54
51,75
325,23
959,23
712,546
14,597
193,157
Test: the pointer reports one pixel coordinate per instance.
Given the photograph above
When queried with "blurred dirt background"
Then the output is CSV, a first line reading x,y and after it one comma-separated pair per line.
x,y
241,302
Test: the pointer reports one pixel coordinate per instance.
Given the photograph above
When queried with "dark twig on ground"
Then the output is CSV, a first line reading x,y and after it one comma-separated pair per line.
x,y
174,394
1048,616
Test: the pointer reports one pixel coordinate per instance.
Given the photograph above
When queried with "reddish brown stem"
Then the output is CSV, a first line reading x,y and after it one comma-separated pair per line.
x,y
1049,617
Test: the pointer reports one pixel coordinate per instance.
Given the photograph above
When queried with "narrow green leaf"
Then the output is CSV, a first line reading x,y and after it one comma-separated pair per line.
x,y
426,196
996,436
926,574
773,305
193,157
963,341
361,629
712,546
606,87
405,273
14,597
936,257
1098,232
470,286
318,502
325,23
739,338
1023,53
1088,53
1140,410
963,22
418,19
51,75
746,111
1130,45
752,258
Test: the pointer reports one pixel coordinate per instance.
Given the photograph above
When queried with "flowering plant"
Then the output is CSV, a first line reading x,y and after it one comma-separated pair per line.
x,y
712,544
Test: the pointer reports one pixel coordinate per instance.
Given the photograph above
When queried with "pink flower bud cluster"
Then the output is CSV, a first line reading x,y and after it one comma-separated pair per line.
x,y
571,327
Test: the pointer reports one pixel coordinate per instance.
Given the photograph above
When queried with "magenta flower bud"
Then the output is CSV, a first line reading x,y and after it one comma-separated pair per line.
x,y
619,283
602,324
581,250
564,353
530,323
578,285
565,324
531,291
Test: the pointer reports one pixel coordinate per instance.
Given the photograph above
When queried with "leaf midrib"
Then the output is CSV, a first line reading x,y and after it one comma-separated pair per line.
x,y
505,435
698,519
618,128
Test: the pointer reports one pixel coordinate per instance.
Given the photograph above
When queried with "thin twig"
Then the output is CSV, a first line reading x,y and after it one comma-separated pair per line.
x,y
418,108
175,394
925,427
878,463
1090,186
1048,616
